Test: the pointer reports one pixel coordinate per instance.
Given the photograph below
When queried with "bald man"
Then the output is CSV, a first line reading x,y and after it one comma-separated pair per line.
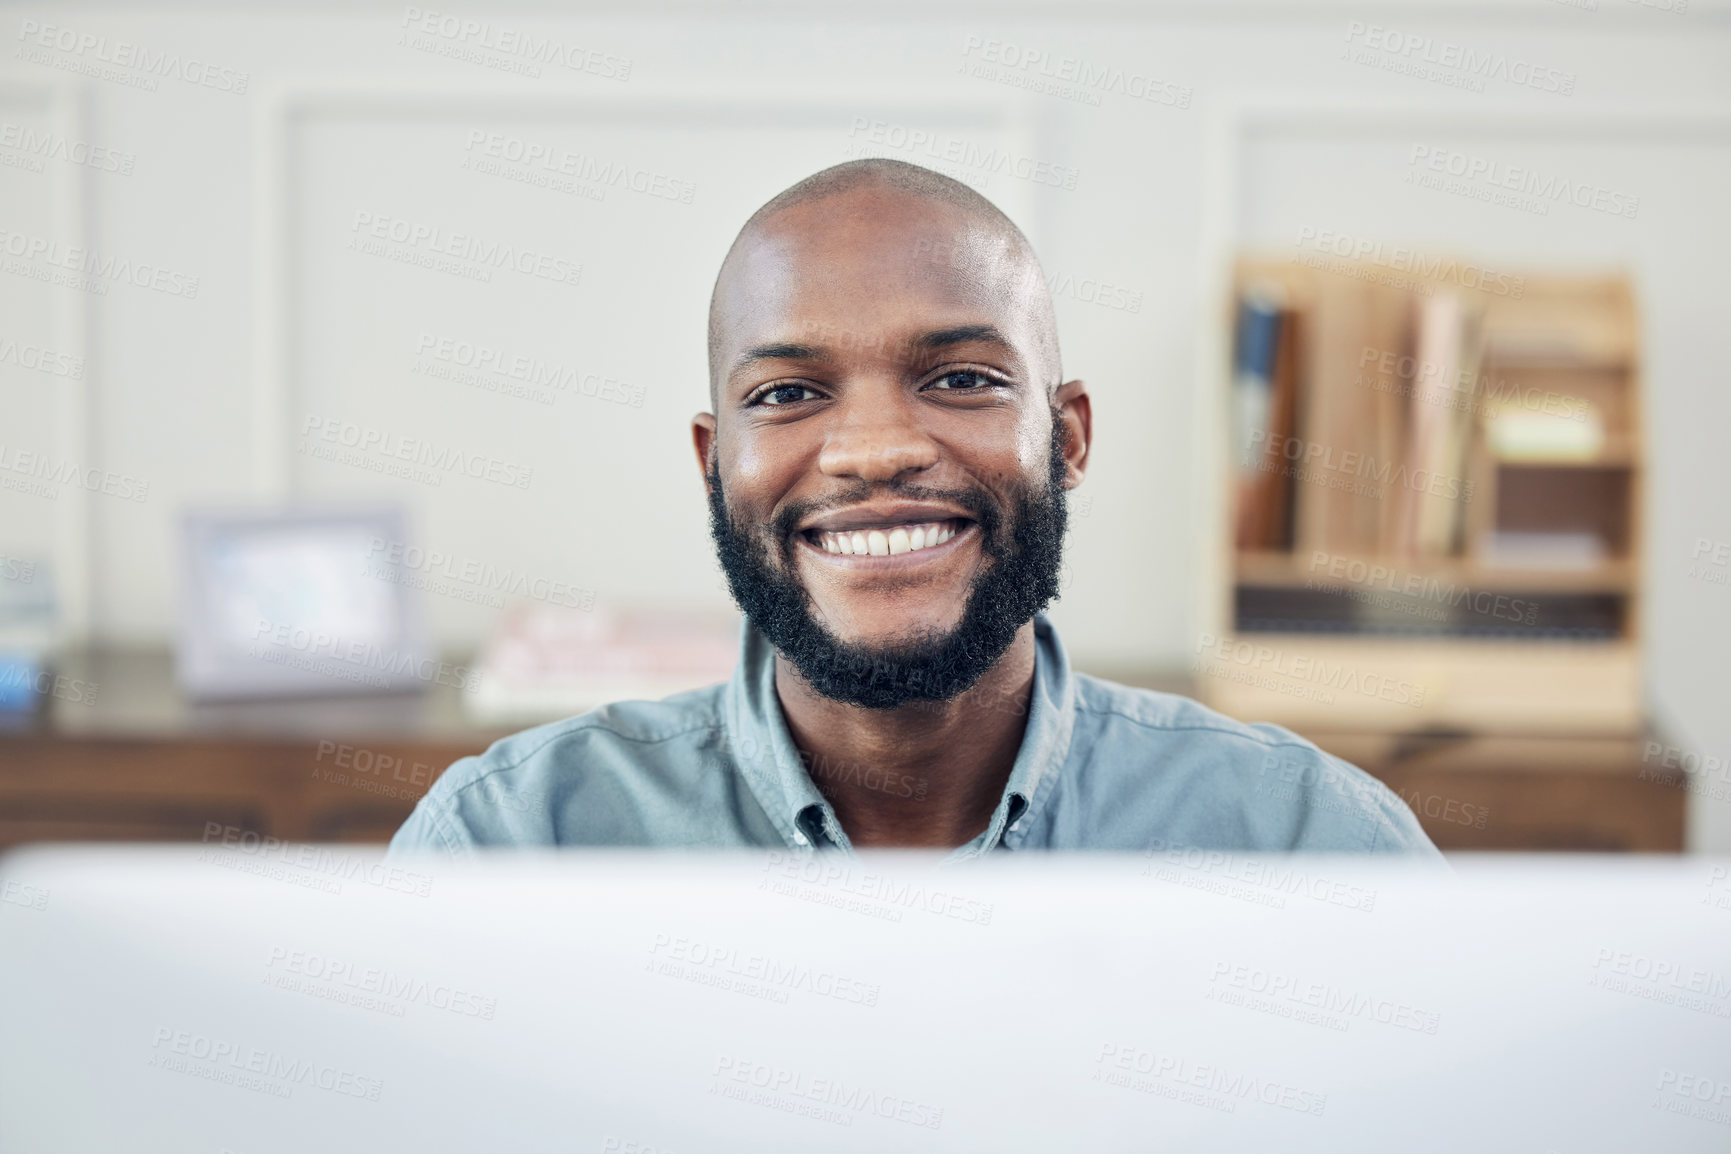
x,y
887,460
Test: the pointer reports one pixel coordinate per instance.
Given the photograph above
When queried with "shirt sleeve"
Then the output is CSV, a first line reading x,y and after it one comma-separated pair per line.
x,y
1393,826
433,827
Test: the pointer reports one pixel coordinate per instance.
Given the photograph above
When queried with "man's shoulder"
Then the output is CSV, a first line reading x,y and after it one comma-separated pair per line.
x,y
633,729
1220,779
617,775
1170,713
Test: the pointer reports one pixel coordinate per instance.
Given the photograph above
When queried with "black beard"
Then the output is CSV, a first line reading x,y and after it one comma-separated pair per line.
x,y
1025,553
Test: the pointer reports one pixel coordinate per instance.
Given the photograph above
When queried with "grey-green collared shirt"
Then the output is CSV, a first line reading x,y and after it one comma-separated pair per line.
x,y
1102,766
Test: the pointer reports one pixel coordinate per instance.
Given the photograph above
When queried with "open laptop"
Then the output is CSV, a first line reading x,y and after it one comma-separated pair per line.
x,y
270,999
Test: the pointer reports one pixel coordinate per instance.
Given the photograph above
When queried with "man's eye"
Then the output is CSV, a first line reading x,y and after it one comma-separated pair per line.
x,y
962,380
783,395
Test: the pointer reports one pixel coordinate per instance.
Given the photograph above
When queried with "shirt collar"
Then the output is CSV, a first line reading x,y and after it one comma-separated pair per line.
x,y
766,756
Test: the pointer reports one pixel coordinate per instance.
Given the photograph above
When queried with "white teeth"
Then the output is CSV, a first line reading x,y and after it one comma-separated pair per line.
x,y
891,543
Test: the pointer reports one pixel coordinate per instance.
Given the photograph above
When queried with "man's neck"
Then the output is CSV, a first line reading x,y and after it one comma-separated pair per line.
x,y
925,774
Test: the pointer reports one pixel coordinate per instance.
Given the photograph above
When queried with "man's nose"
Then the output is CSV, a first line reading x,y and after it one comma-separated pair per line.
x,y
878,447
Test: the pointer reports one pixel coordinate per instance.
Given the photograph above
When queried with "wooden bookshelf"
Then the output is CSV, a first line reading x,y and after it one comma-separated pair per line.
x,y
1504,601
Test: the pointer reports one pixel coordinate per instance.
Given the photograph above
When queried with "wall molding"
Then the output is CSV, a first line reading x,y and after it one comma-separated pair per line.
x,y
280,112
62,105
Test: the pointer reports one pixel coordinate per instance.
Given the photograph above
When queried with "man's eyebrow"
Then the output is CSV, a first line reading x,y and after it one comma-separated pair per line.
x,y
937,339
961,334
781,351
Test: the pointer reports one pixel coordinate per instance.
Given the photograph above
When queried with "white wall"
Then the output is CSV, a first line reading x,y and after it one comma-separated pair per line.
x,y
255,195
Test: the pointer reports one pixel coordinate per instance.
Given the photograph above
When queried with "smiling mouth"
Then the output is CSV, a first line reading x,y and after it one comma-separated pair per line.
x,y
886,540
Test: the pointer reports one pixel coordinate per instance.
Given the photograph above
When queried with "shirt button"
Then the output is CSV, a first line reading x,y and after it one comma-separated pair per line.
x,y
799,839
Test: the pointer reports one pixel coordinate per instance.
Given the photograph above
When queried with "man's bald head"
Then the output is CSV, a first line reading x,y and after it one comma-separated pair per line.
x,y
965,233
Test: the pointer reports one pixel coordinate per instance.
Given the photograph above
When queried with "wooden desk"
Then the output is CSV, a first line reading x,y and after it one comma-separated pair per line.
x,y
1504,792
140,764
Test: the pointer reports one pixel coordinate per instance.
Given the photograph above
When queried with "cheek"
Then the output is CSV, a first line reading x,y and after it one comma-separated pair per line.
x,y
756,470
1033,444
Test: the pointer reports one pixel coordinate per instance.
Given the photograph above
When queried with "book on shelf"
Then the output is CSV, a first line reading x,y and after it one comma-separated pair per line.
x,y
1425,511
1265,398
1350,421
1277,492
1516,434
1576,551
1257,333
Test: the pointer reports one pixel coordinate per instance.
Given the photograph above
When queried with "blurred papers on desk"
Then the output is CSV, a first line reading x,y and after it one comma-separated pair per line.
x,y
547,662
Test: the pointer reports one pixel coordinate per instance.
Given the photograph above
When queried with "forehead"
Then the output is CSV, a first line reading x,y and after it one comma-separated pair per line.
x,y
872,267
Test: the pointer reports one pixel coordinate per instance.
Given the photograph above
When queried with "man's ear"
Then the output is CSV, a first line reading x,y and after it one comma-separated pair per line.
x,y
1077,413
703,440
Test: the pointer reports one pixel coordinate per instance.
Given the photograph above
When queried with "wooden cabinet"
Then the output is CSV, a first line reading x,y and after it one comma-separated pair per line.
x,y
140,764
178,788
1481,792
